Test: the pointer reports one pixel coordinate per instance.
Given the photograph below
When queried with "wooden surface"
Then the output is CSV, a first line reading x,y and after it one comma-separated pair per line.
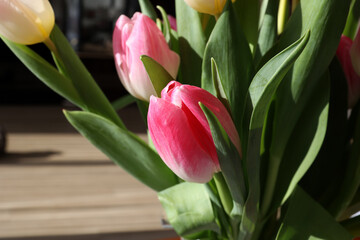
x,y
55,185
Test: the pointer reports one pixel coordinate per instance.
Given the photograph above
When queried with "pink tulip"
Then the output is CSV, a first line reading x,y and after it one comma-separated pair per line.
x,y
131,39
353,79
172,22
181,134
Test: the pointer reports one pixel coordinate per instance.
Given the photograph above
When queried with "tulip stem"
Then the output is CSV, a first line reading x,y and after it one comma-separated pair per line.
x,y
51,46
224,192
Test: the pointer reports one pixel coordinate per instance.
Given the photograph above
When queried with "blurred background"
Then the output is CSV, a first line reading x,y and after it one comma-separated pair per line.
x,y
88,24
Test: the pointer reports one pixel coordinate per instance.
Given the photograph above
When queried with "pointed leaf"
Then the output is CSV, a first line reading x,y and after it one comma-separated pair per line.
x,y
46,73
122,102
188,208
229,159
268,78
157,74
298,108
229,47
124,148
92,96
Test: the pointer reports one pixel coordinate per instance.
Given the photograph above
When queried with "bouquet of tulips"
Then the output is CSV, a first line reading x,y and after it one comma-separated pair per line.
x,y
252,109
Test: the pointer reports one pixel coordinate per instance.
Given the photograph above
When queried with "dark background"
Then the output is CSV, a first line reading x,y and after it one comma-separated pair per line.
x,y
89,30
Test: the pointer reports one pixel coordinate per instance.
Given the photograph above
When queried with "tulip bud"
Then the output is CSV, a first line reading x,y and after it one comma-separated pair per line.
x,y
355,53
131,39
353,79
181,133
213,7
26,21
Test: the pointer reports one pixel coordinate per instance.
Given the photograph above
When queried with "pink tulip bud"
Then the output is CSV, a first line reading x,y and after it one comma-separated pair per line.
x,y
172,22
131,39
353,79
181,133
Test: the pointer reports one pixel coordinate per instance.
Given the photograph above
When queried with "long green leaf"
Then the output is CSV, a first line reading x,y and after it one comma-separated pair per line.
x,y
324,179
300,152
268,28
188,208
268,78
298,108
191,43
228,46
124,148
306,219
230,161
46,73
248,12
92,96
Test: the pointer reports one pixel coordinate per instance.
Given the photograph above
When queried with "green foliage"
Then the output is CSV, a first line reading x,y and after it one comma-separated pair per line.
x,y
306,219
188,208
157,74
228,46
124,148
191,43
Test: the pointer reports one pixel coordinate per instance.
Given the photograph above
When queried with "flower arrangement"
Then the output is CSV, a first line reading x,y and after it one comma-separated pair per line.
x,y
252,109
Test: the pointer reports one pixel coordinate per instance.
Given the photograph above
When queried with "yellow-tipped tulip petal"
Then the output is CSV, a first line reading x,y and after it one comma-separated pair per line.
x,y
213,7
26,21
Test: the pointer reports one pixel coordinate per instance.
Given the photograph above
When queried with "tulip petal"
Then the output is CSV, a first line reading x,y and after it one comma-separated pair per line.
x,y
343,53
191,96
173,138
26,21
213,7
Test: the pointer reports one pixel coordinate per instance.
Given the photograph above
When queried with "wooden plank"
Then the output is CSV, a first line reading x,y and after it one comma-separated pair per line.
x,y
56,184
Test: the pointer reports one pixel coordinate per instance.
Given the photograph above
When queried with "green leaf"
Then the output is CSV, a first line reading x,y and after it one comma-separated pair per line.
x,y
94,99
229,159
166,25
296,133
323,181
248,13
306,219
299,153
228,46
158,75
268,28
148,9
191,43
46,73
188,208
124,148
268,78
352,21
122,102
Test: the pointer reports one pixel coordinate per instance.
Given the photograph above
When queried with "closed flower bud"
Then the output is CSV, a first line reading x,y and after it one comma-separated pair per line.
x,y
26,21
213,7
353,79
181,133
131,39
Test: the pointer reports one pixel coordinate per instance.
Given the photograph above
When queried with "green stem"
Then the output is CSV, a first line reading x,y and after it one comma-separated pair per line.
x,y
352,20
224,192
282,15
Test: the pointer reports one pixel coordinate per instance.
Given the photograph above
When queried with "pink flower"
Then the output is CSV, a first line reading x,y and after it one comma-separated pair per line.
x,y
353,79
172,22
131,39
181,133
